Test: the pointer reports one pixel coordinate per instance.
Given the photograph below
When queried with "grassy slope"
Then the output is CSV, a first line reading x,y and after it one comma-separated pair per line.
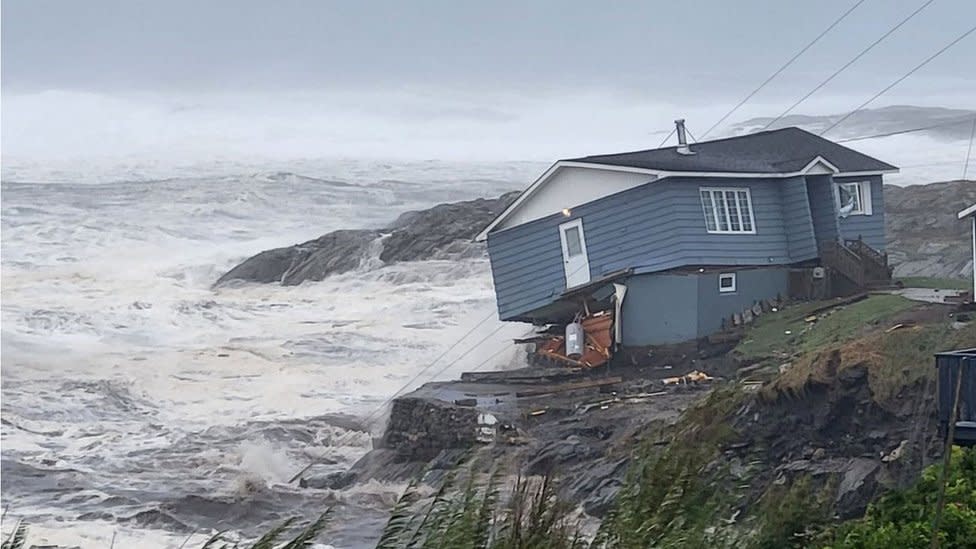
x,y
786,332
687,495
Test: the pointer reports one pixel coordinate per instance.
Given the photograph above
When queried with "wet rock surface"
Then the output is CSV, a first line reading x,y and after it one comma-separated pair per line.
x,y
920,221
445,231
924,235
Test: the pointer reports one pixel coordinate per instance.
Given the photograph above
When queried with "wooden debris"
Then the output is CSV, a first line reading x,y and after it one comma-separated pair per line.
x,y
597,343
691,377
538,412
569,387
906,324
840,302
643,396
523,375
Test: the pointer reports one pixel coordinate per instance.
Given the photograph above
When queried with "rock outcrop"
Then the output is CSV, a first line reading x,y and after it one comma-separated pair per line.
x,y
924,236
444,231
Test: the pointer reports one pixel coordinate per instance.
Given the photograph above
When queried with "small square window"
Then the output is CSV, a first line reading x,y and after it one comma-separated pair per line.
x,y
726,282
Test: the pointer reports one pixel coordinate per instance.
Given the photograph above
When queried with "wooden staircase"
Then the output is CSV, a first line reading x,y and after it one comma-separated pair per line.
x,y
858,262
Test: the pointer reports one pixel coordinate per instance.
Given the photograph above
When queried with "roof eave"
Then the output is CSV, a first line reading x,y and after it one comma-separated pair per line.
x,y
661,174
970,211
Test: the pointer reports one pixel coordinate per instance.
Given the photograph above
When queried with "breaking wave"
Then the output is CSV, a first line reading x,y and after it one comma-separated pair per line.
x,y
141,403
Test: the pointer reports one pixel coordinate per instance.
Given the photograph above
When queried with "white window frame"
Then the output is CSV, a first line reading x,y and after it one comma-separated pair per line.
x,y
713,214
863,193
730,289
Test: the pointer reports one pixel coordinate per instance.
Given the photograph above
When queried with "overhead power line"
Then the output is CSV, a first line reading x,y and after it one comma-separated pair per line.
x,y
666,138
782,68
904,76
378,409
969,152
849,63
910,130
469,350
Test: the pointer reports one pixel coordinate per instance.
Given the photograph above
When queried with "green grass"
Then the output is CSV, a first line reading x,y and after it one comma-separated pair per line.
x,y
936,283
787,333
904,518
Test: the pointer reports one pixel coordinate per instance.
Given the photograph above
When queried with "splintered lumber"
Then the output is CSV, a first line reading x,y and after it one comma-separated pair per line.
x,y
523,375
691,377
597,343
569,387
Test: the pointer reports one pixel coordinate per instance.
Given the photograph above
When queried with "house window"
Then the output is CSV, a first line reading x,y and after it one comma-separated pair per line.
x,y
728,211
854,198
726,282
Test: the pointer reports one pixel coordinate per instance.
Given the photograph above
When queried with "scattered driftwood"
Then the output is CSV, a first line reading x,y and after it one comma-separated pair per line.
x,y
900,325
605,403
523,375
838,303
691,377
569,387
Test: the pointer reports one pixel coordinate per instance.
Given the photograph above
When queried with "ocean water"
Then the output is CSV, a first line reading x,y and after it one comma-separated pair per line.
x,y
142,405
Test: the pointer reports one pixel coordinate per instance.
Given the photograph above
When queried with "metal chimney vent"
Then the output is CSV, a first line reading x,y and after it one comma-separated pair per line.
x,y
682,137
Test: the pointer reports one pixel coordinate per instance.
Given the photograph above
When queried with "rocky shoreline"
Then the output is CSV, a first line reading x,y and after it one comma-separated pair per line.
x,y
843,421
444,231
923,236
753,427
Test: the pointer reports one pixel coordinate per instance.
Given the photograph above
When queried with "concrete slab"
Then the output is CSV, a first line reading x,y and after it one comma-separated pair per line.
x,y
927,295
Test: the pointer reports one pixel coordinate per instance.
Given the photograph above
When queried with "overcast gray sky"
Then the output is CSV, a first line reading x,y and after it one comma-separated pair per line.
x,y
713,47
521,63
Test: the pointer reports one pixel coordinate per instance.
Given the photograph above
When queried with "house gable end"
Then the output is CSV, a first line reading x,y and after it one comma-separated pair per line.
x,y
566,185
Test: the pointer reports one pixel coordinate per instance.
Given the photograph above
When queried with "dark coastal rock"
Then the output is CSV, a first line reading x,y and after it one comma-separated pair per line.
x,y
420,428
335,252
444,231
333,481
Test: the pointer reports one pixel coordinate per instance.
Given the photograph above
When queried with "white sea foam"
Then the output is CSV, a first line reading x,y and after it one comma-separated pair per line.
x,y
150,403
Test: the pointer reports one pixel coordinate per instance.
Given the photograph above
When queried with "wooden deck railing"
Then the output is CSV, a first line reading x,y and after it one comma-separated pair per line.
x,y
857,261
840,258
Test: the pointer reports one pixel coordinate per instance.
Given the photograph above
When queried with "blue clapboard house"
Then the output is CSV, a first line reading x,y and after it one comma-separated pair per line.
x,y
681,241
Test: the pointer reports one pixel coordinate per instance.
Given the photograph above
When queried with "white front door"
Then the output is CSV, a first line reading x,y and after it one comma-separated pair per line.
x,y
576,264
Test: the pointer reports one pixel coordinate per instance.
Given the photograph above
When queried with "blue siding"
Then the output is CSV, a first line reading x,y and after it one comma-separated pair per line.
x,y
869,227
527,268
663,308
798,220
823,210
751,285
654,227
660,308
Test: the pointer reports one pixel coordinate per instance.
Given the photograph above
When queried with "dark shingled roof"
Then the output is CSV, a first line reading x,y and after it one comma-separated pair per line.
x,y
776,151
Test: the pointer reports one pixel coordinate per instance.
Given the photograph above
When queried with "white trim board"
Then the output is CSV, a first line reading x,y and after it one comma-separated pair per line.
x,y
816,166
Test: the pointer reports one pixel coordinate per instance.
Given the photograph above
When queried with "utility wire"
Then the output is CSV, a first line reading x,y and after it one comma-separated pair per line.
x,y
849,63
899,132
471,349
969,152
782,68
369,417
666,138
906,75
